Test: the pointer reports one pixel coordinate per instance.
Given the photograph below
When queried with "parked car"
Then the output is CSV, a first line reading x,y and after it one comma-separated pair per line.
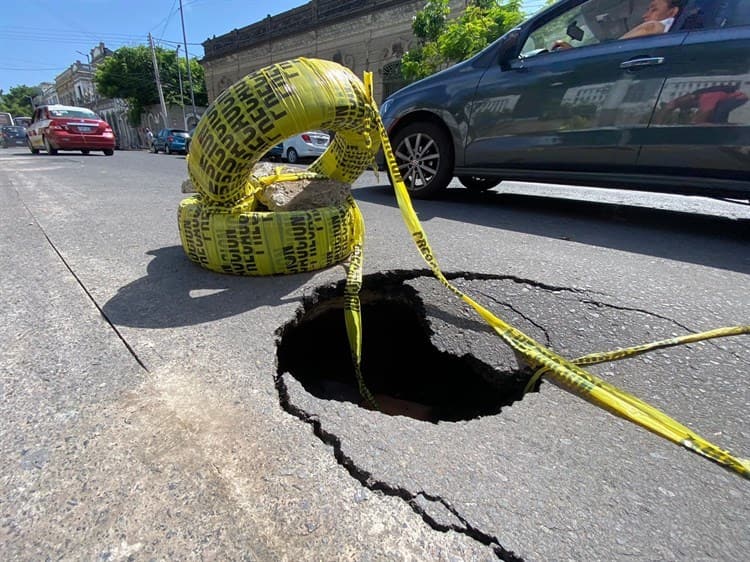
x,y
65,127
170,140
304,146
12,135
666,112
22,120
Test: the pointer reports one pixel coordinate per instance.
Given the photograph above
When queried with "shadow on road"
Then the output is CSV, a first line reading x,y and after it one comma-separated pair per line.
x,y
176,292
710,240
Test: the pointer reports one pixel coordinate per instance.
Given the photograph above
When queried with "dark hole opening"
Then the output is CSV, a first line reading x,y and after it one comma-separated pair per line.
x,y
400,365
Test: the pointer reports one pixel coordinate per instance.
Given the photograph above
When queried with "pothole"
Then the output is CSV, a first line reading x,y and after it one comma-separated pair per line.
x,y
407,374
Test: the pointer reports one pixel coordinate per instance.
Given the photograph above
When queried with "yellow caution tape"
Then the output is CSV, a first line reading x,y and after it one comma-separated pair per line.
x,y
274,103
220,226
602,357
233,240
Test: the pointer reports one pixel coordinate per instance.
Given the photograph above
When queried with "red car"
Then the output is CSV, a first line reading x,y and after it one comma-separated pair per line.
x,y
64,127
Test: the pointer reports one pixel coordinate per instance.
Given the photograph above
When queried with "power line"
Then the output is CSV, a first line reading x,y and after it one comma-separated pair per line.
x,y
26,69
73,37
169,17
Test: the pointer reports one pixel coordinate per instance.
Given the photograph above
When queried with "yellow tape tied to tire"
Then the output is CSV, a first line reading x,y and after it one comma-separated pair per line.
x,y
274,103
241,242
222,228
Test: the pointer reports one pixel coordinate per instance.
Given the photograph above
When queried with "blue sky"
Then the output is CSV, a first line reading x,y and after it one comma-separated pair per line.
x,y
41,38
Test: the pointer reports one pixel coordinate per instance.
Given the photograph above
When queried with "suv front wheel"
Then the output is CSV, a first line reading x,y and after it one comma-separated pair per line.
x,y
424,155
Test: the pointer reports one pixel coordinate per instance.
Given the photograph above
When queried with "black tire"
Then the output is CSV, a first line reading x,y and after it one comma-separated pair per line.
x,y
291,156
261,243
154,150
478,184
85,151
31,147
424,155
49,148
108,152
167,149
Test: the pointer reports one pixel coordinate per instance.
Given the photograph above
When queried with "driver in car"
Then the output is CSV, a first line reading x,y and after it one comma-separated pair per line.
x,y
658,18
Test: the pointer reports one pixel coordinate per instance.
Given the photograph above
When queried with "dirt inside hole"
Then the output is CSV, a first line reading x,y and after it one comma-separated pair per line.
x,y
407,374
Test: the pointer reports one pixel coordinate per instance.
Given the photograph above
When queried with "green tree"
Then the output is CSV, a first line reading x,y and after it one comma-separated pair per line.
x,y
129,74
442,42
17,101
170,80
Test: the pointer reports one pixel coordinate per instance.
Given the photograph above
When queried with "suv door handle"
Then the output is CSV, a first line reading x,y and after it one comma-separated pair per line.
x,y
637,63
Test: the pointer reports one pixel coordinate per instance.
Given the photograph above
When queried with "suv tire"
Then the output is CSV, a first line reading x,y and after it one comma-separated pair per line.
x,y
424,155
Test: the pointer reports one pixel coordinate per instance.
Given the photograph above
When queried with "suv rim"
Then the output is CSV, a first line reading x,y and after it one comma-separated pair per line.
x,y
418,159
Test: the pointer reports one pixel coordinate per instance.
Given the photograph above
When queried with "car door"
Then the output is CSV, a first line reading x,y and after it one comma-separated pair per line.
x,y
702,120
582,108
35,129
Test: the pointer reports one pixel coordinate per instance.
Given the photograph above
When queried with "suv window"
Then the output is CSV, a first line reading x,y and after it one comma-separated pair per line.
x,y
715,14
597,21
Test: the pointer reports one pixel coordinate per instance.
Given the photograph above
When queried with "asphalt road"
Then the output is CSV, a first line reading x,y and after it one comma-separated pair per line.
x,y
153,410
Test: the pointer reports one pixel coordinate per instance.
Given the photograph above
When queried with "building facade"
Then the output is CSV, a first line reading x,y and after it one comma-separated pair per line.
x,y
363,35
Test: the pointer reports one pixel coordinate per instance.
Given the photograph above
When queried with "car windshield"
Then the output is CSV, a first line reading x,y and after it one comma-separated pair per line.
x,y
13,129
78,112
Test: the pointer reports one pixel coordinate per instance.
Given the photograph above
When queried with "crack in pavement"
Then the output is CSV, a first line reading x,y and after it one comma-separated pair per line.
x,y
366,479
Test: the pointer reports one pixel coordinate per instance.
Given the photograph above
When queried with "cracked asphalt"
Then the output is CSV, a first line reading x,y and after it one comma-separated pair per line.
x,y
145,416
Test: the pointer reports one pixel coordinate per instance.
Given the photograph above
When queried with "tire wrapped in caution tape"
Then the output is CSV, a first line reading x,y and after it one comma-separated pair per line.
x,y
223,228
274,103
238,241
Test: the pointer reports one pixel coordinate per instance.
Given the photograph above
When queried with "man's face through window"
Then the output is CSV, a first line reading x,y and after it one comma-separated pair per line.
x,y
659,10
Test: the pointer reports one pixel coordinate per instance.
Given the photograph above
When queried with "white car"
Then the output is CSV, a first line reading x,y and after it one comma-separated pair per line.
x,y
304,146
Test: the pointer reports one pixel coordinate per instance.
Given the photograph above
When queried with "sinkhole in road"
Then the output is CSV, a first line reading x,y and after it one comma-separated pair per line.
x,y
405,372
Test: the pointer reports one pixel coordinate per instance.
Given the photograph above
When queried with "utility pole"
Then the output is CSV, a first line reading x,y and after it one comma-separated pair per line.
x,y
187,58
158,81
179,76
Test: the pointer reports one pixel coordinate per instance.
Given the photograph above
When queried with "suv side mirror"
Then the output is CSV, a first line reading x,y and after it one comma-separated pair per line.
x,y
508,48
